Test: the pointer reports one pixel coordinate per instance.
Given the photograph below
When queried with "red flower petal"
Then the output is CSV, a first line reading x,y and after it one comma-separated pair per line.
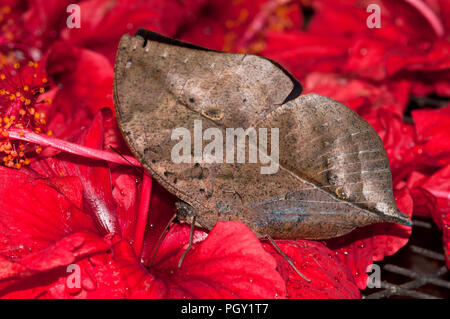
x,y
104,22
86,77
229,263
329,276
363,246
103,274
433,130
439,186
94,176
35,215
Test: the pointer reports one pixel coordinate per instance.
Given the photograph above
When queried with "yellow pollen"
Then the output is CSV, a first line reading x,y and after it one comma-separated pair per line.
x,y
2,76
49,132
22,112
5,134
42,90
44,80
39,150
16,65
26,88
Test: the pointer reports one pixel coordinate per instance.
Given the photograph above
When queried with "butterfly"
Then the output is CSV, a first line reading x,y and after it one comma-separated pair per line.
x,y
332,172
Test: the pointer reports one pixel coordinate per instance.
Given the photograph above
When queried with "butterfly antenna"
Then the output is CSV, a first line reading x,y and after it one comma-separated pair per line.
x,y
163,234
140,170
191,236
287,258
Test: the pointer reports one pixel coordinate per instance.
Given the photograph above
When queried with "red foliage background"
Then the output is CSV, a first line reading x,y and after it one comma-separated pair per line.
x,y
76,203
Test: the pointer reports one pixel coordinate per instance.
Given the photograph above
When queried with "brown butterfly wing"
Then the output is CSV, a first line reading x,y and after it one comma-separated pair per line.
x,y
161,86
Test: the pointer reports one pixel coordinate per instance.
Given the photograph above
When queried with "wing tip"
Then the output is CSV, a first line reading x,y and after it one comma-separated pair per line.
x,y
398,218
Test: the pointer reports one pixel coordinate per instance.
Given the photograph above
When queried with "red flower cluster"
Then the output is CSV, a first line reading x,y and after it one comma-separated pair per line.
x,y
70,207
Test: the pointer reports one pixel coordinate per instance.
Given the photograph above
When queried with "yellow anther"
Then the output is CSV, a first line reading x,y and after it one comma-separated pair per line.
x,y
49,132
16,65
27,102
44,80
2,76
22,112
5,134
26,88
27,162
38,150
42,90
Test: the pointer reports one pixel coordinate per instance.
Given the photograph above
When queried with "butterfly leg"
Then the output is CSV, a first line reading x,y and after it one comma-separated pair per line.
x,y
274,244
186,213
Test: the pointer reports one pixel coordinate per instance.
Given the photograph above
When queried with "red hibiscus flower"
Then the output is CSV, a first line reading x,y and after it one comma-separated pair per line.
x,y
77,220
